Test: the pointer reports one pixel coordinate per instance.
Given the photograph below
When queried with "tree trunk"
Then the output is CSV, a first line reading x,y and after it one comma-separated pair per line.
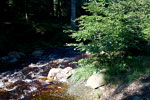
x,y
73,14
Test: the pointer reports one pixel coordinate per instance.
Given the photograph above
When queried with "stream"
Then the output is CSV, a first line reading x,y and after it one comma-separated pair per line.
x,y
28,79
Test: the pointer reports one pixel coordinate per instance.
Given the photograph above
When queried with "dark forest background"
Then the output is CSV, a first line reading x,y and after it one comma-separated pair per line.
x,y
29,24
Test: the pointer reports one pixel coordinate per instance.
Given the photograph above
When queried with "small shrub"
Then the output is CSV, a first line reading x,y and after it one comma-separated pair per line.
x,y
83,73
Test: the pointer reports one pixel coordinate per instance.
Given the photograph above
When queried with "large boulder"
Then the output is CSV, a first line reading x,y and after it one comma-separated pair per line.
x,y
59,74
65,73
85,93
96,80
53,72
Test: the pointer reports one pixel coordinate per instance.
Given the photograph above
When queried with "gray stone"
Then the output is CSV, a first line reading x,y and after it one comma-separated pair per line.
x,y
96,80
85,93
60,74
64,73
53,72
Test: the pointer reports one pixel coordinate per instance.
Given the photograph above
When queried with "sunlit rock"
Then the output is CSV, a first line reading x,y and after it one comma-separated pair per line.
x,y
96,80
60,74
65,73
53,72
64,80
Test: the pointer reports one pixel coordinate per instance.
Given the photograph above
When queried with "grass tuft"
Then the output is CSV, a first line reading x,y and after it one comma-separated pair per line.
x,y
83,73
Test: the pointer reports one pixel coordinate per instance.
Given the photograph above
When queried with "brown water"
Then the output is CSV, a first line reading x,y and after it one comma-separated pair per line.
x,y
55,97
53,92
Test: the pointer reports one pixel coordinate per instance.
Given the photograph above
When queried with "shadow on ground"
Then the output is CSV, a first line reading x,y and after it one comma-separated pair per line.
x,y
143,93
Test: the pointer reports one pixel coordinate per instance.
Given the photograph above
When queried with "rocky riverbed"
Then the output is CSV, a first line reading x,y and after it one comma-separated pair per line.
x,y
29,80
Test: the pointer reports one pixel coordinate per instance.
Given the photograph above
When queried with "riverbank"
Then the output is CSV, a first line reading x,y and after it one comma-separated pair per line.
x,y
138,89
31,80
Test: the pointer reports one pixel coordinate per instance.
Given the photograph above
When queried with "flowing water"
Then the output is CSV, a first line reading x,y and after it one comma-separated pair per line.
x,y
29,83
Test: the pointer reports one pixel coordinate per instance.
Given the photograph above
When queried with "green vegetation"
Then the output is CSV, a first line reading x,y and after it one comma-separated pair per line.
x,y
86,69
136,67
116,34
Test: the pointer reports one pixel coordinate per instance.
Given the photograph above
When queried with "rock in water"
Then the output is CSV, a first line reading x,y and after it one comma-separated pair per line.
x,y
53,72
95,81
60,74
66,72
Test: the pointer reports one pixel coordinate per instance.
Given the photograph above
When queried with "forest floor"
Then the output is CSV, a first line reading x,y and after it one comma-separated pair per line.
x,y
137,90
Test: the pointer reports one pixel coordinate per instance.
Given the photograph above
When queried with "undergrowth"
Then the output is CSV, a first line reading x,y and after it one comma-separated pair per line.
x,y
135,67
86,69
118,71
